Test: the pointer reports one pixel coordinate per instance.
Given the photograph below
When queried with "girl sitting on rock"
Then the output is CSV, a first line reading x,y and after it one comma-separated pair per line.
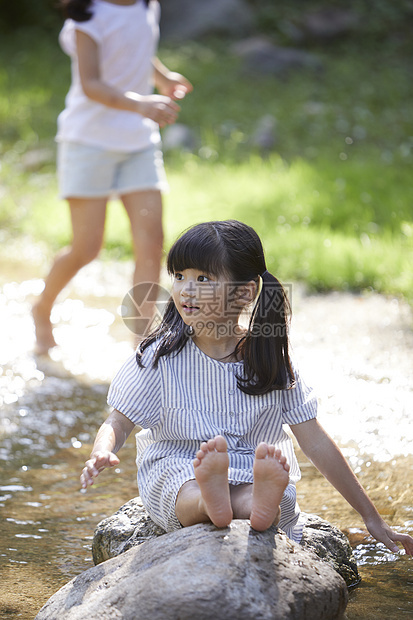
x,y
212,397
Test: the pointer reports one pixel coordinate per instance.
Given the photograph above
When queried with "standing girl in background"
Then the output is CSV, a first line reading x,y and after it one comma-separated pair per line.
x,y
212,398
108,137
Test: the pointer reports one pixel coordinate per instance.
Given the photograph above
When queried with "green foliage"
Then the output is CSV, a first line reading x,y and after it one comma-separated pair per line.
x,y
376,20
34,78
332,201
40,13
307,236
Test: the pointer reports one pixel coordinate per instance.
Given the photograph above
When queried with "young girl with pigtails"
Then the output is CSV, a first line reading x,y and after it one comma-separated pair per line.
x,y
212,397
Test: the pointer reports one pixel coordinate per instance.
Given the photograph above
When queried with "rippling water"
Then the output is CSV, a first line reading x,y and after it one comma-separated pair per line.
x,y
356,350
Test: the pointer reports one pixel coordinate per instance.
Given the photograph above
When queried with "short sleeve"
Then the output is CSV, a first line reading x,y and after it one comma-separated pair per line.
x,y
156,9
91,28
136,392
67,36
299,403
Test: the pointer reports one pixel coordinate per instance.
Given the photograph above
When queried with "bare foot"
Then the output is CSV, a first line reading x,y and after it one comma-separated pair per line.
x,y
211,473
270,480
44,331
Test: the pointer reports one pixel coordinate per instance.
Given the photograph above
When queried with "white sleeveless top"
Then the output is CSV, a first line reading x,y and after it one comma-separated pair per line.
x,y
127,37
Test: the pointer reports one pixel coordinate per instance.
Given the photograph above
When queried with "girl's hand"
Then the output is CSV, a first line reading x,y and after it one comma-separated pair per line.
x,y
174,85
97,463
163,110
383,533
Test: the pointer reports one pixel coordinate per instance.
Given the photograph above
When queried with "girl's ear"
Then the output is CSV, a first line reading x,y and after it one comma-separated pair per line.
x,y
246,293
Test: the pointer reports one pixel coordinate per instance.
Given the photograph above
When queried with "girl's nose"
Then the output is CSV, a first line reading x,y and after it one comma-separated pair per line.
x,y
188,289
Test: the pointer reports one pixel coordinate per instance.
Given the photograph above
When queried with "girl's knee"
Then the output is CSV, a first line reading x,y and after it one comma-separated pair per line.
x,y
83,257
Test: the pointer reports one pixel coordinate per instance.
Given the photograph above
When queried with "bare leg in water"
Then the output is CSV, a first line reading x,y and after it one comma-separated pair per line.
x,y
88,221
144,210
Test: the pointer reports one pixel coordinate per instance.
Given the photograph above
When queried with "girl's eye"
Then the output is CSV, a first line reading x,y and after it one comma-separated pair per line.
x,y
178,276
203,279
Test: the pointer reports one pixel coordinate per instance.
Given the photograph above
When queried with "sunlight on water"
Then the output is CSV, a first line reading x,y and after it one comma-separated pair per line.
x,y
82,332
364,381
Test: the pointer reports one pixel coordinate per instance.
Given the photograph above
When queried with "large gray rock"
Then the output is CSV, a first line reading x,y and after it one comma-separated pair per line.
x,y
260,56
131,526
264,136
186,19
206,573
330,22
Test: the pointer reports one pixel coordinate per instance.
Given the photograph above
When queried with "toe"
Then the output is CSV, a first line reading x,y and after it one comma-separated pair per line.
x,y
261,451
220,443
210,444
204,448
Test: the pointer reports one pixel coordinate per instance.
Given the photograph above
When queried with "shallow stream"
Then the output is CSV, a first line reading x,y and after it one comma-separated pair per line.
x,y
356,350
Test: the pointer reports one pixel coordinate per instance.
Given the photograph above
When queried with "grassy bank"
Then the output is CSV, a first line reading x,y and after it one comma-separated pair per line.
x,y
333,200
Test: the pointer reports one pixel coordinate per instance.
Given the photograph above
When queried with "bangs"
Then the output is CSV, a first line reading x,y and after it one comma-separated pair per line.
x,y
199,248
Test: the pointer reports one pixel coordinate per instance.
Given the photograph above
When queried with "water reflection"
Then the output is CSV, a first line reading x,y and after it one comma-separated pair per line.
x,y
52,407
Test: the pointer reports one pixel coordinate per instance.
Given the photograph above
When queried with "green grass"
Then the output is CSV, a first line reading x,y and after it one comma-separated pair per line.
x,y
307,233
333,202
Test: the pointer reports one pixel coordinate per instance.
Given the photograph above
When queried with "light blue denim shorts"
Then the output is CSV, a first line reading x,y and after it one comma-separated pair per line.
x,y
90,172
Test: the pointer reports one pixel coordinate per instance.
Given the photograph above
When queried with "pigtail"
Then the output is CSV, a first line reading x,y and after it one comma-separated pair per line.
x,y
265,348
78,10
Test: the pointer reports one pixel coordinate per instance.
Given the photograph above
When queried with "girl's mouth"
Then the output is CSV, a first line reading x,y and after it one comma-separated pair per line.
x,y
189,308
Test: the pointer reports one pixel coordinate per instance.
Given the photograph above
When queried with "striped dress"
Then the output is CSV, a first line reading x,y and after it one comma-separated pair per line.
x,y
190,398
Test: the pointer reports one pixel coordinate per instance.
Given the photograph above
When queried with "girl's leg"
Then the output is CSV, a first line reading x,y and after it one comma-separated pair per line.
x,y
88,221
270,481
189,508
242,502
144,209
260,501
207,498
211,498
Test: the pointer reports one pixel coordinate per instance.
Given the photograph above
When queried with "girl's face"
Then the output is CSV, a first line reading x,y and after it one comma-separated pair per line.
x,y
203,300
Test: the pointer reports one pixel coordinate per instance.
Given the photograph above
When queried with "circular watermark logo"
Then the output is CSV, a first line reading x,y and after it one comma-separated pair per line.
x,y
143,307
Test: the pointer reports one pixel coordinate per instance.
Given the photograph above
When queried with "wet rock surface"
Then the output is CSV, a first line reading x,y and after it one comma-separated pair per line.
x,y
128,527
332,546
206,573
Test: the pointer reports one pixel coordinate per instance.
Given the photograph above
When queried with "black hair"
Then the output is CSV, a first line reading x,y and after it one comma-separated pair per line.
x,y
233,249
80,10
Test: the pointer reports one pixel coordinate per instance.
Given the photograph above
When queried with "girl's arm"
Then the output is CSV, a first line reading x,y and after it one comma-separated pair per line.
x,y
161,109
327,457
110,438
169,83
